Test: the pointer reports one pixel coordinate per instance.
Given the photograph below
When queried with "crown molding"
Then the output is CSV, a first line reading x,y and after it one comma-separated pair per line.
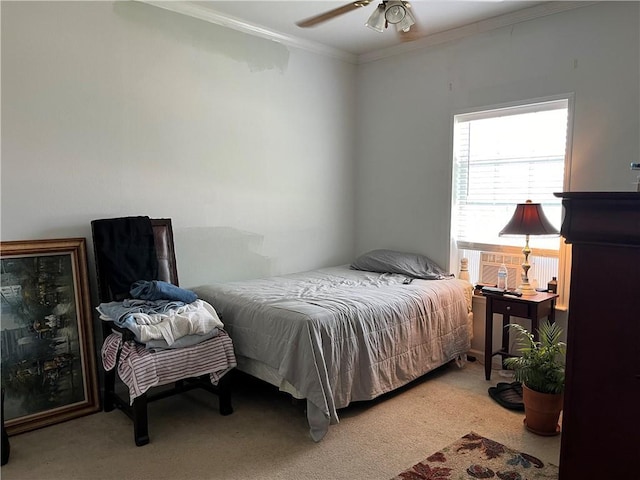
x,y
482,26
197,11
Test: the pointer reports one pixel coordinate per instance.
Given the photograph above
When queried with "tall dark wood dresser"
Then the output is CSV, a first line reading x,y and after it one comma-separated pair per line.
x,y
601,417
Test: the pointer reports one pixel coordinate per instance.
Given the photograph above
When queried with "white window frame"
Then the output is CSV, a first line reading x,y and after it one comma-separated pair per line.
x,y
564,252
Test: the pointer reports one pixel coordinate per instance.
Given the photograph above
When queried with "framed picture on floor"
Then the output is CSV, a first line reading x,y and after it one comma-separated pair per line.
x,y
48,356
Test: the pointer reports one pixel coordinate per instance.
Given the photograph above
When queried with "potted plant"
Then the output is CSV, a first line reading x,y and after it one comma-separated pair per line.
x,y
540,369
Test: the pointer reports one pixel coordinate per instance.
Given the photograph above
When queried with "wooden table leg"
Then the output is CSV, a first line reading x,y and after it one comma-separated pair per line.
x,y
506,320
488,338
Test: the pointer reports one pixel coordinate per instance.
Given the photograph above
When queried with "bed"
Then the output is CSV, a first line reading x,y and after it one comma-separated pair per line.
x,y
342,334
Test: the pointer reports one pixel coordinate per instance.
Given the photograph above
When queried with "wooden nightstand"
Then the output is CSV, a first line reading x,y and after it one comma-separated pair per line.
x,y
533,307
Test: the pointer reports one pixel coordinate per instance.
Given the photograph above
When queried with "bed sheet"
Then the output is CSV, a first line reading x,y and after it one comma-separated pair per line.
x,y
339,335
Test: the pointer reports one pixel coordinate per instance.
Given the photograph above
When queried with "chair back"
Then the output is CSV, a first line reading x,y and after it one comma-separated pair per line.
x,y
165,250
160,264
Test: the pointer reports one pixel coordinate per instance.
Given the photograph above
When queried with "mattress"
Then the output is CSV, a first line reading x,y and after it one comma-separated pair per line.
x,y
337,335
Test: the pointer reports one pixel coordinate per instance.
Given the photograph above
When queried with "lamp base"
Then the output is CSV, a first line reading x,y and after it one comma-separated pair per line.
x,y
527,290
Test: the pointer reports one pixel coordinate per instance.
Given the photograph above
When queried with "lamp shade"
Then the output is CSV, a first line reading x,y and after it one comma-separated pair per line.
x,y
405,24
395,11
529,219
377,21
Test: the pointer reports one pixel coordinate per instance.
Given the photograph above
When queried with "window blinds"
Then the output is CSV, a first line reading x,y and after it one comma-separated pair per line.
x,y
504,157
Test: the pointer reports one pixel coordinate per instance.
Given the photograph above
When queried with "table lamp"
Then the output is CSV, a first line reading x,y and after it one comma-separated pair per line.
x,y
528,219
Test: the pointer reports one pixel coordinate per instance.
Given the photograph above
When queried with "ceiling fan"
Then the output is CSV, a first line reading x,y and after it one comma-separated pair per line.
x,y
388,12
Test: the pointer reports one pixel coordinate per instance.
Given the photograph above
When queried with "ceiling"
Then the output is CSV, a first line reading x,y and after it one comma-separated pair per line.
x,y
347,33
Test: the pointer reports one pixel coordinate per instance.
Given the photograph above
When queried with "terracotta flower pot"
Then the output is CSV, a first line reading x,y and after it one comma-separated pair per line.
x,y
542,411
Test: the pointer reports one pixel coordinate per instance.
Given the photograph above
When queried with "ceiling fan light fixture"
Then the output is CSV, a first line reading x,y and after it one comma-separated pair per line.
x,y
377,20
395,12
405,24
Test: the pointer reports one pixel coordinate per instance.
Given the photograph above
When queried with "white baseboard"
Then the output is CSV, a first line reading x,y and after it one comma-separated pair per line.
x,y
478,354
496,364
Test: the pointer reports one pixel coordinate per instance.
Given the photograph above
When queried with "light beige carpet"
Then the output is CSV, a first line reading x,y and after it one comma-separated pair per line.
x,y
267,435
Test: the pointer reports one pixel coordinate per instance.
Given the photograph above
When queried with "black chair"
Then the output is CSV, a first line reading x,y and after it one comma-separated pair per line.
x,y
136,249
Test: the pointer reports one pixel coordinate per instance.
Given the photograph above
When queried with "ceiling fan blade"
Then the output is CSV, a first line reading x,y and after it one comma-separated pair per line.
x,y
323,17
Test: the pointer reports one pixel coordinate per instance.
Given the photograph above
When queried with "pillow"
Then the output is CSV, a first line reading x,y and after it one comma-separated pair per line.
x,y
410,264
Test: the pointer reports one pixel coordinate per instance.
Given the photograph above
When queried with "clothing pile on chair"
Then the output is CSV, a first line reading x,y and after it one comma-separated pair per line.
x,y
164,318
161,315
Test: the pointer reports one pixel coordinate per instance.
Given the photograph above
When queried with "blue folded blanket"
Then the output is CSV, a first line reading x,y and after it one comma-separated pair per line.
x,y
159,290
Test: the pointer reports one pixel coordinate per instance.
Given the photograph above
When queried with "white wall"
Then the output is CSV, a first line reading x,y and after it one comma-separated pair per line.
x,y
115,109
406,104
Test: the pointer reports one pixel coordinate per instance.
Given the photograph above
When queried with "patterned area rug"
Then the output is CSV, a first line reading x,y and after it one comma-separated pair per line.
x,y
474,456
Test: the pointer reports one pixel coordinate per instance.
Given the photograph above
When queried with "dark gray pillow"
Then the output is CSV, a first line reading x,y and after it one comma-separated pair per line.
x,y
410,264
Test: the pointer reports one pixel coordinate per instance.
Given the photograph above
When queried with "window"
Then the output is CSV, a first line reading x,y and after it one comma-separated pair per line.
x,y
502,157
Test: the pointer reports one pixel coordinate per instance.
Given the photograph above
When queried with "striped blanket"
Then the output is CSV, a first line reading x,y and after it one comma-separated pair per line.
x,y
141,369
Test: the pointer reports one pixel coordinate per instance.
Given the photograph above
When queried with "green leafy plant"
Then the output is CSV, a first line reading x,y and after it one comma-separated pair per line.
x,y
541,366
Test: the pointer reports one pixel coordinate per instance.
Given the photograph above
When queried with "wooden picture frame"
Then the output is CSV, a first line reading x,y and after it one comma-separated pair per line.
x,y
48,355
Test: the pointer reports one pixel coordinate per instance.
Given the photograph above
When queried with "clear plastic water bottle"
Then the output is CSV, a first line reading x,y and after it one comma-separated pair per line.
x,y
502,277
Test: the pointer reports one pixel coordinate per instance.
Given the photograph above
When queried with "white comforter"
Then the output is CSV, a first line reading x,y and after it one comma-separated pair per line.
x,y
339,335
